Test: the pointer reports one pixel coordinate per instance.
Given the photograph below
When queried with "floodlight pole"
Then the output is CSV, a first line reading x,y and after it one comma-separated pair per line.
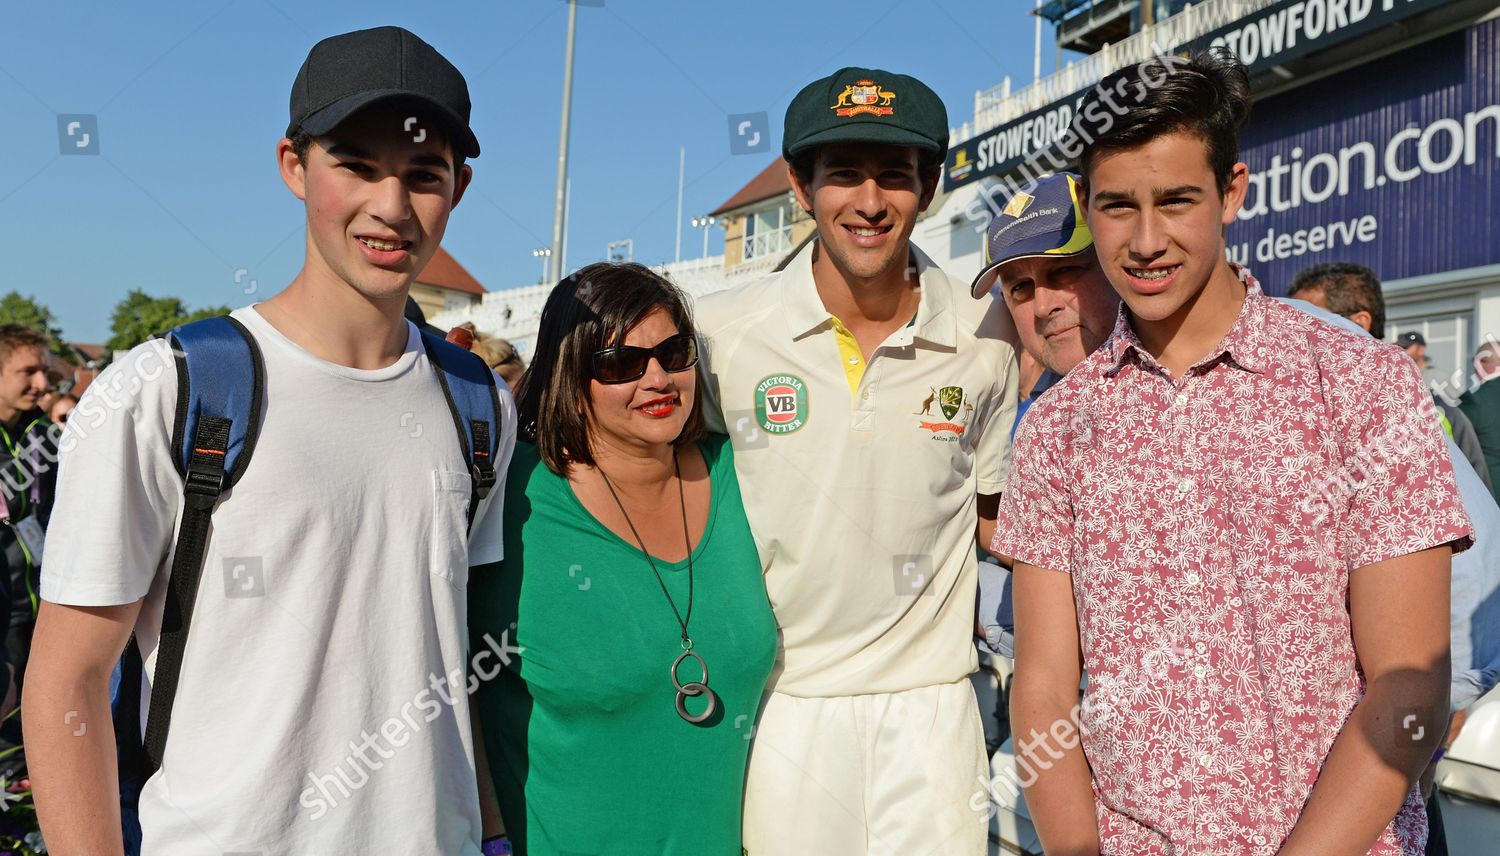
x,y
560,212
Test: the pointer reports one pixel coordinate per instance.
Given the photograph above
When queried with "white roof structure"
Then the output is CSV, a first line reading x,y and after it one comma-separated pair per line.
x,y
696,278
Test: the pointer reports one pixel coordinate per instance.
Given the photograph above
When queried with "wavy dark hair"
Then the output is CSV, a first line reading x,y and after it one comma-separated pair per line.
x,y
1206,95
589,311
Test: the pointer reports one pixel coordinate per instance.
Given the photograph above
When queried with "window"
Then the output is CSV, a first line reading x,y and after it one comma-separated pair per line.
x,y
1448,348
768,231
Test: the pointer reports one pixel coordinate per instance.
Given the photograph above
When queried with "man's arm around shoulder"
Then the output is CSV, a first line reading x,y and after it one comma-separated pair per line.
x,y
70,739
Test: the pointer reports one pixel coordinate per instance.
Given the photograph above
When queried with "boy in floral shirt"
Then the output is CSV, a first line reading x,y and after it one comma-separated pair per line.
x,y
1235,518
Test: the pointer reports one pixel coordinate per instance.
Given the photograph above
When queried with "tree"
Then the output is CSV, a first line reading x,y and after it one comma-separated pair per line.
x,y
140,316
18,309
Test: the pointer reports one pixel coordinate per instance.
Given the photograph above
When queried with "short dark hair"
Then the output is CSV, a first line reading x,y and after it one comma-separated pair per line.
x,y
590,310
14,337
302,142
929,165
1206,95
1347,288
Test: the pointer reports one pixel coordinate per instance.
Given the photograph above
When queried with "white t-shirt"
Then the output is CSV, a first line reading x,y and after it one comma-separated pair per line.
x,y
311,714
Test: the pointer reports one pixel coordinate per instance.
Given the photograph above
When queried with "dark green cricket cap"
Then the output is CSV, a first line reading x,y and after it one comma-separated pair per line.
x,y
866,105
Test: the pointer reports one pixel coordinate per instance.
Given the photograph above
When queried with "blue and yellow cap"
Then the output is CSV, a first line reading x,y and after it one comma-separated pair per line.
x,y
1044,218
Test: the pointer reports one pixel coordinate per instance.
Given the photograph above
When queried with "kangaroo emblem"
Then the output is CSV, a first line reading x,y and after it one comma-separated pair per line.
x,y
864,96
927,404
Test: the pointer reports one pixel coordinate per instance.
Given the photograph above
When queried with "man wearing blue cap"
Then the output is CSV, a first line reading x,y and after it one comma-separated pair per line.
x,y
1041,254
1039,259
870,404
317,710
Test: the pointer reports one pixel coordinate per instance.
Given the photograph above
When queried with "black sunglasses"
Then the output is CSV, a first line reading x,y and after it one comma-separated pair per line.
x,y
625,363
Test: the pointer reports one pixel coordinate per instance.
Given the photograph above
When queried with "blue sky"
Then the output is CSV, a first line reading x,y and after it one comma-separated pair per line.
x,y
183,198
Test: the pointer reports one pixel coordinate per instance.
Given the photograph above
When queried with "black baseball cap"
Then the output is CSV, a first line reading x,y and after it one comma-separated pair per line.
x,y
1407,340
346,73
866,105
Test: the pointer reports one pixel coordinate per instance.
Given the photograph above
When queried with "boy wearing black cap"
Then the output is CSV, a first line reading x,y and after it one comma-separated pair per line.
x,y
869,401
318,710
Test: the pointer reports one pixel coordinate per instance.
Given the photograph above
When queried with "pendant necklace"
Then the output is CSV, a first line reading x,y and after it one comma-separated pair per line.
x,y
689,689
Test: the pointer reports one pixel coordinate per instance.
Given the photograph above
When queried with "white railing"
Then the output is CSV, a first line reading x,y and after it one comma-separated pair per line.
x,y
690,265
774,242
515,313
1000,104
707,280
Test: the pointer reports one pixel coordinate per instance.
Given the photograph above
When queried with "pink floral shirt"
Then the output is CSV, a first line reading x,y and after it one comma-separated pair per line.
x,y
1210,525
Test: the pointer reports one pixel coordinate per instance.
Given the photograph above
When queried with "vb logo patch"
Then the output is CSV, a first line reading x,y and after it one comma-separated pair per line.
x,y
781,403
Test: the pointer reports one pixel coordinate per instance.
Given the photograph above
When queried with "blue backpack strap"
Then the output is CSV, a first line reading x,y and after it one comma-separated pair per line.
x,y
469,386
220,385
220,375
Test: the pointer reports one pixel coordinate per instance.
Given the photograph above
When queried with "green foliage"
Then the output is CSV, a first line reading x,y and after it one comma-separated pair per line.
x,y
19,833
140,316
16,308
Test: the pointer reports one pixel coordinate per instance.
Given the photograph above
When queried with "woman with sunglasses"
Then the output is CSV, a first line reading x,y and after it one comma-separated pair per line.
x,y
640,634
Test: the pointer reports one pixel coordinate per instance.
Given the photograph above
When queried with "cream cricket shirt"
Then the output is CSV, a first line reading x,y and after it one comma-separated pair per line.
x,y
859,479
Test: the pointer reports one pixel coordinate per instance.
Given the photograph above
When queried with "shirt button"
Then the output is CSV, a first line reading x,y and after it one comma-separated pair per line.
x,y
1192,579
1184,486
1206,760
854,361
1181,399
1199,671
865,395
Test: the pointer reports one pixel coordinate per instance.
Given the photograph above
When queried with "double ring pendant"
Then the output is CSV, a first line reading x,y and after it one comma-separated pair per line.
x,y
690,689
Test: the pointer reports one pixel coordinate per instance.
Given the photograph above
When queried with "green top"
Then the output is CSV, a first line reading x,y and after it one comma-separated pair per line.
x,y
1482,406
586,749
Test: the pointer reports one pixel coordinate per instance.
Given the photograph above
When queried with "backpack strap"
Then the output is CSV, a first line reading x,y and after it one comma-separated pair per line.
x,y
220,384
469,386
125,710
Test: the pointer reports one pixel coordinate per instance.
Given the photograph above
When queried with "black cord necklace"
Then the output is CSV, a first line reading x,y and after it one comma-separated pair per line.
x,y
691,688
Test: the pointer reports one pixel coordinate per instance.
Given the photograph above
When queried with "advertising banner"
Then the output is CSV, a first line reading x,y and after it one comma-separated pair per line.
x,y
1402,176
1276,34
